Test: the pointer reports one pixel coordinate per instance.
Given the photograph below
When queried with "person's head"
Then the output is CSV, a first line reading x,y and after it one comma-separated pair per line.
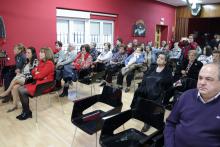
x,y
135,42
216,36
207,50
216,56
93,45
143,46
209,80
191,38
119,41
58,44
148,48
130,45
192,55
162,59
107,46
18,48
71,47
31,54
46,54
85,49
176,45
150,43
138,49
122,49
163,43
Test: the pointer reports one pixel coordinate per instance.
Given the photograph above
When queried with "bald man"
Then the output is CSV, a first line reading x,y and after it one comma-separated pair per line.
x,y
195,118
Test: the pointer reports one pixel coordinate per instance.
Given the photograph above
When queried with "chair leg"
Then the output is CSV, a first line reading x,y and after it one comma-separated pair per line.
x,y
96,143
36,111
74,135
61,102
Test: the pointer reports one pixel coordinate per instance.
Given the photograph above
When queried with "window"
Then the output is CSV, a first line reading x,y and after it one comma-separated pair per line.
x,y
83,30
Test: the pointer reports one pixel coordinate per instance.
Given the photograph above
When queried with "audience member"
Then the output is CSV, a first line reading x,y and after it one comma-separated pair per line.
x,y
206,57
103,58
22,78
216,56
119,41
190,67
194,120
93,51
133,62
42,73
63,64
116,63
156,81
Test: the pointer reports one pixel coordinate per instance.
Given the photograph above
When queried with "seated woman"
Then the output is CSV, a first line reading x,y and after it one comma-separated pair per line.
x,y
134,61
190,67
20,60
206,57
42,73
116,63
80,68
64,62
103,58
157,79
22,78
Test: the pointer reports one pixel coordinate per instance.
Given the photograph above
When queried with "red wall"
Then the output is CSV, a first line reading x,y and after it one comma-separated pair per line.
x,y
34,22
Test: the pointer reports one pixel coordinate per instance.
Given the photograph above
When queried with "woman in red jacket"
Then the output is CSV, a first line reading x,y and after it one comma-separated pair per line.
x,y
43,73
80,68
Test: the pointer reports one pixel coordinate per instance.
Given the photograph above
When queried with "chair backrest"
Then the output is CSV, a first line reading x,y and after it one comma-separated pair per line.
x,y
111,96
150,113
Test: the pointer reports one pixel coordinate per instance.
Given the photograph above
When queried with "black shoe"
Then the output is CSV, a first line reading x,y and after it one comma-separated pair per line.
x,y
145,128
127,90
65,91
63,94
57,88
102,84
24,115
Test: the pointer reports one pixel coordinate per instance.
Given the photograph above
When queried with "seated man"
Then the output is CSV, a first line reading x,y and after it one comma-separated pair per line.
x,y
115,65
194,120
63,63
103,58
134,61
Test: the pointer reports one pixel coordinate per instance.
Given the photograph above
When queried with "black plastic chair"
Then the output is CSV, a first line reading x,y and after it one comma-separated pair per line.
x,y
40,90
92,122
147,112
90,79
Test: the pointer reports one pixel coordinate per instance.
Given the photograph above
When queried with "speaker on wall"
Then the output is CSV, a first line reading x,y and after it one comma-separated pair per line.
x,y
2,28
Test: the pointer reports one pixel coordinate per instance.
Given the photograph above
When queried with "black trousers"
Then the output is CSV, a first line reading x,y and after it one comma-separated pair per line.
x,y
99,67
129,78
110,70
24,97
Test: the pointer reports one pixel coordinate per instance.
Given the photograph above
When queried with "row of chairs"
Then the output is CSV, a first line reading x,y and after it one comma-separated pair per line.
x,y
94,121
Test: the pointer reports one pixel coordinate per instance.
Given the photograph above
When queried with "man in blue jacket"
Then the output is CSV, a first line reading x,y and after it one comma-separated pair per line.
x,y
195,118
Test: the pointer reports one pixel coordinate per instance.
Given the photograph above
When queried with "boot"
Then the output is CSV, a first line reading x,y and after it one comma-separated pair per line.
x,y
65,91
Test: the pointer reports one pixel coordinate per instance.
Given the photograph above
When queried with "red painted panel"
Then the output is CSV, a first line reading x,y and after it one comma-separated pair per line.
x,y
34,22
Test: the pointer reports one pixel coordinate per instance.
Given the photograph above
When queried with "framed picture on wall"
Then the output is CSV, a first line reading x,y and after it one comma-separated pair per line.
x,y
139,29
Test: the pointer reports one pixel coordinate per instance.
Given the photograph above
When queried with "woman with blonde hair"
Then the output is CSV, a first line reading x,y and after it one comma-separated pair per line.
x,y
42,73
20,60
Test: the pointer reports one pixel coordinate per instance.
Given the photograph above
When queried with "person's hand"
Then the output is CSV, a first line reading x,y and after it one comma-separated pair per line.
x,y
17,71
183,72
37,72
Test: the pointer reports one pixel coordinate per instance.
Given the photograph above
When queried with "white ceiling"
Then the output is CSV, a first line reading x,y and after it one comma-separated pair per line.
x,y
182,2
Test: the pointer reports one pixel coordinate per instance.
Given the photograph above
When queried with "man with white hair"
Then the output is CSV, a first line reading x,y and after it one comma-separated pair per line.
x,y
195,118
